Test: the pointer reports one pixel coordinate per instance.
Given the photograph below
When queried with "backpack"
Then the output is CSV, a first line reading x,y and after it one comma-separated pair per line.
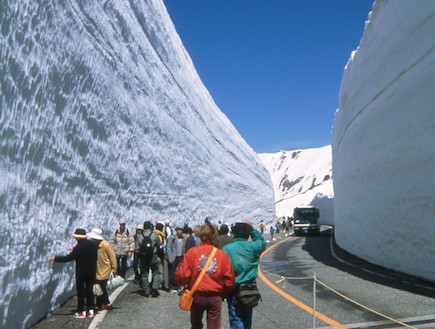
x,y
146,247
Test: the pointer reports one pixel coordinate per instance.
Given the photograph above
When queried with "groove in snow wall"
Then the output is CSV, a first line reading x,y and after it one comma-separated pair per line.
x,y
103,115
383,141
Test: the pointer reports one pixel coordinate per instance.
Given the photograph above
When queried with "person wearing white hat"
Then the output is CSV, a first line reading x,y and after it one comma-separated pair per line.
x,y
106,263
122,242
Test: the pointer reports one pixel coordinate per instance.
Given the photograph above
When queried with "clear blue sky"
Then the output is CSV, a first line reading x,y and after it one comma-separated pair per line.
x,y
274,67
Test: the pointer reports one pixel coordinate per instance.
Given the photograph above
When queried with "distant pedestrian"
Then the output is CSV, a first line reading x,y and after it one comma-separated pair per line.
x,y
245,257
262,227
168,230
122,242
223,238
160,227
136,258
190,240
149,260
175,251
216,284
85,255
272,231
106,264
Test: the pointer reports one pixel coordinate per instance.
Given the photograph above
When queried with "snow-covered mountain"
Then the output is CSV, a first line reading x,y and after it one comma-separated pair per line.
x,y
103,115
302,178
383,141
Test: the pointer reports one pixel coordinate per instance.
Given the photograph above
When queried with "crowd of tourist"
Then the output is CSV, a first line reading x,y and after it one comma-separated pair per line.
x,y
172,260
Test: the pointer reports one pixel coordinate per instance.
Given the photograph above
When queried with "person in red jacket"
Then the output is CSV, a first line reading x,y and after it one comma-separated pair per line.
x,y
217,283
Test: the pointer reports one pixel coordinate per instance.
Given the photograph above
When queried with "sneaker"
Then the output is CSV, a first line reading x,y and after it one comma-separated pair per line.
x,y
81,315
174,291
107,307
90,313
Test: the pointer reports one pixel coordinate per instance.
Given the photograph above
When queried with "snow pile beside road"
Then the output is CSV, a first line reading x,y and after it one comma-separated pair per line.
x,y
383,141
103,115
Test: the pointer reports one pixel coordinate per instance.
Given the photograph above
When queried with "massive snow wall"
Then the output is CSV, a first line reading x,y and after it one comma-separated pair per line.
x,y
103,115
383,141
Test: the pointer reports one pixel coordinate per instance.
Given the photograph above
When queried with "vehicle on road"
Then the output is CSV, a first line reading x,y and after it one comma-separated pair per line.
x,y
305,220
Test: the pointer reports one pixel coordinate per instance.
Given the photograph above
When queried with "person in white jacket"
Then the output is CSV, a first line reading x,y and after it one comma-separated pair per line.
x,y
122,242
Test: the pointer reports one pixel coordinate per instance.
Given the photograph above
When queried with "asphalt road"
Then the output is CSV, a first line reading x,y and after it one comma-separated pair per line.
x,y
397,296
292,262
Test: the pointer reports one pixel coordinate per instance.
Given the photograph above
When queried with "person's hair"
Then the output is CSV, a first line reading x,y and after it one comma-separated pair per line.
x,y
189,230
147,225
242,230
207,233
224,229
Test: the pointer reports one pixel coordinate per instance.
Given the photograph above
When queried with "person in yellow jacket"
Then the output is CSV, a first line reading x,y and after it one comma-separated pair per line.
x,y
106,263
161,253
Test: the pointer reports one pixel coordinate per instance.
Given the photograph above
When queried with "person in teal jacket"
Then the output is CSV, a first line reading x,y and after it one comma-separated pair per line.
x,y
244,256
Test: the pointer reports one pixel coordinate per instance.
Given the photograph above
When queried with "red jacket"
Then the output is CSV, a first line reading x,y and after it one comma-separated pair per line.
x,y
219,278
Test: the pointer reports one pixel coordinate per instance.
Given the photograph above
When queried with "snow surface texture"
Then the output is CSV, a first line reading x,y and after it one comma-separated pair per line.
x,y
383,141
302,178
103,115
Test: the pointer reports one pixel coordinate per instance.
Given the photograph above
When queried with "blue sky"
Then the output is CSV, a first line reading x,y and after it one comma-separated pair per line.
x,y
274,67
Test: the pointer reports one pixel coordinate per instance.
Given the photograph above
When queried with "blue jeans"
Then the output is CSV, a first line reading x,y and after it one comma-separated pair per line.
x,y
240,317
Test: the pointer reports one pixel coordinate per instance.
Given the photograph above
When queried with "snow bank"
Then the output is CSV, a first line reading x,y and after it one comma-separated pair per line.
x,y
383,141
301,178
103,115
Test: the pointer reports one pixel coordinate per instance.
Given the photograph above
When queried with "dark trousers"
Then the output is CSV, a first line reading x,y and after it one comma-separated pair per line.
x,y
213,306
85,291
154,266
171,271
122,264
103,299
136,262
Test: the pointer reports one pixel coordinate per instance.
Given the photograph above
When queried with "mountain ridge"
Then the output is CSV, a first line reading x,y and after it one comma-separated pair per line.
x,y
302,177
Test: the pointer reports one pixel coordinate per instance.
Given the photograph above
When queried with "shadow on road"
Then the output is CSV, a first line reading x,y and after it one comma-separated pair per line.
x,y
319,247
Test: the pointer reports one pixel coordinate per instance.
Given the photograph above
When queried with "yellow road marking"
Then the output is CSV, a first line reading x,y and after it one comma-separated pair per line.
x,y
298,303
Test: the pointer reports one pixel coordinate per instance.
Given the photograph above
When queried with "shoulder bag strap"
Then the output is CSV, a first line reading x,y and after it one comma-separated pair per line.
x,y
203,271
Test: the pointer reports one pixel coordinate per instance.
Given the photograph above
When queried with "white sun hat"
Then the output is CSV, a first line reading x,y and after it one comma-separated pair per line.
x,y
96,234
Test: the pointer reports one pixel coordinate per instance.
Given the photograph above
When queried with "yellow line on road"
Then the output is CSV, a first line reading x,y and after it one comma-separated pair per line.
x,y
298,303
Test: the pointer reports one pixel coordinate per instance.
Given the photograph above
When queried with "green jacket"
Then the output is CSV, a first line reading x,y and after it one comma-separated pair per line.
x,y
245,256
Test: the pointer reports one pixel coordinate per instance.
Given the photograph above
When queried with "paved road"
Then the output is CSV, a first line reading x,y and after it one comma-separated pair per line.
x,y
387,292
397,296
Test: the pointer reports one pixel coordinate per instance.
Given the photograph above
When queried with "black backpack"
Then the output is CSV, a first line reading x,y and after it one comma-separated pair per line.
x,y
146,247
